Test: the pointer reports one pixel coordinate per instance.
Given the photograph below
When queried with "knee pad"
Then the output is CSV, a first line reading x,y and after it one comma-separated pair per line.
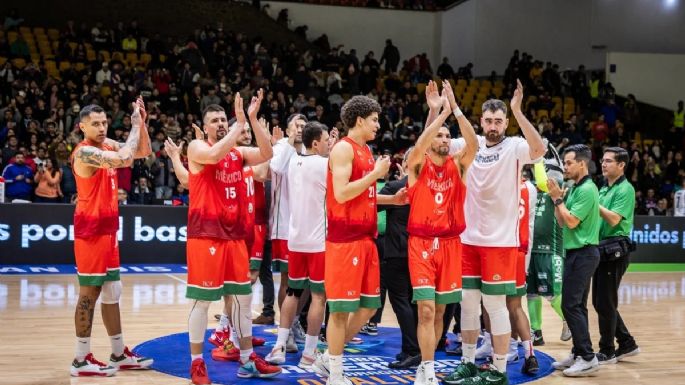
x,y
470,310
111,292
197,321
496,306
297,293
241,315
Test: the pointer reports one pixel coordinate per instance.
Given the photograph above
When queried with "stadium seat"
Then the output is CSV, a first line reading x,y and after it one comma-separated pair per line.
x,y
19,63
53,34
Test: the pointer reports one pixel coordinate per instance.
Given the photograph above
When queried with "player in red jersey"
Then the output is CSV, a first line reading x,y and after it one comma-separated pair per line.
x,y
96,221
352,275
218,264
436,218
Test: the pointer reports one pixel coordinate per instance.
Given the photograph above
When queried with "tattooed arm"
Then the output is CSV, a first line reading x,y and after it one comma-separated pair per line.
x,y
139,117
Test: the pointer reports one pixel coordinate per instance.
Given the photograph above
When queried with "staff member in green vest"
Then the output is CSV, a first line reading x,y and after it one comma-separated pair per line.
x,y
679,116
617,206
579,218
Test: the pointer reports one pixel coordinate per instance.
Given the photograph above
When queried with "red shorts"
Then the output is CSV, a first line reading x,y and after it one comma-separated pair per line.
x,y
216,267
279,255
306,270
352,275
256,248
97,259
435,269
490,269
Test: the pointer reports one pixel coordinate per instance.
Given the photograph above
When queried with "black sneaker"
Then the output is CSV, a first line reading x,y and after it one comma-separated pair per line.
x,y
370,329
530,366
537,338
606,359
625,352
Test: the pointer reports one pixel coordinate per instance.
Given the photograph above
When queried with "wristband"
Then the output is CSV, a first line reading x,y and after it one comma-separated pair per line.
x,y
457,112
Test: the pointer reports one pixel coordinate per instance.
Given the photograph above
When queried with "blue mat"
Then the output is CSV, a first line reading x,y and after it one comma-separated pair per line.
x,y
365,363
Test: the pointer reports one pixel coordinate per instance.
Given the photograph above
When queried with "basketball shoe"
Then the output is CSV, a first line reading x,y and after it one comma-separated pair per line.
x,y
91,367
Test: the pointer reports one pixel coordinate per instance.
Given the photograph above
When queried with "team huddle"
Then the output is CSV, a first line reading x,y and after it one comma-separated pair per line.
x,y
478,232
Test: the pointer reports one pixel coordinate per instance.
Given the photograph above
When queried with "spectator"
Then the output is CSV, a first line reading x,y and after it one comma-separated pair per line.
x,y
129,44
163,172
180,197
18,180
141,194
68,184
48,178
122,197
445,70
662,209
391,57
104,74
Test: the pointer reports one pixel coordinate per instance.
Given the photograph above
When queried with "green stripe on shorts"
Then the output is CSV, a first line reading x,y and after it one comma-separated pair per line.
x,y
298,283
449,297
279,266
91,280
316,287
203,294
498,288
370,302
520,291
471,282
237,288
255,264
423,294
343,306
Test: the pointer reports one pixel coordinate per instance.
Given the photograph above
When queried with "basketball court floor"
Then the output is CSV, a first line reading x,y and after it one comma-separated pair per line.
x,y
37,331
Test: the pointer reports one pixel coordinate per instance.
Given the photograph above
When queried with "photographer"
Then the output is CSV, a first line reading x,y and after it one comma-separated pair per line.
x,y
617,204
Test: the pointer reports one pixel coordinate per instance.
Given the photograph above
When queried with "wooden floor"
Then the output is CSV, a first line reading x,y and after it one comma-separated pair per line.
x,y
37,343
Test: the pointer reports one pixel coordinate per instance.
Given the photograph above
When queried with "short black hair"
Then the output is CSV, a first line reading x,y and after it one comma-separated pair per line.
x,y
87,110
294,116
212,108
620,154
358,107
312,131
582,152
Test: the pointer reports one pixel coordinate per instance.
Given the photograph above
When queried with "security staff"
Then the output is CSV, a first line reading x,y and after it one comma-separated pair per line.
x,y
579,217
617,205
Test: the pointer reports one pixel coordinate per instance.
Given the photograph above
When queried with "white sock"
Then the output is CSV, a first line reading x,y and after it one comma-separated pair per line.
x,y
283,334
245,355
528,348
234,338
469,352
223,323
82,348
117,344
429,369
335,365
193,357
500,362
310,344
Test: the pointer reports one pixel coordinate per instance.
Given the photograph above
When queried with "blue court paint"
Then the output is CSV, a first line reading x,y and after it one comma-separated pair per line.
x,y
365,363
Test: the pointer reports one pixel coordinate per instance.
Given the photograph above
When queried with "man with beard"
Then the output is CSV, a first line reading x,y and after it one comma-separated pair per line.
x,y
96,220
436,218
490,241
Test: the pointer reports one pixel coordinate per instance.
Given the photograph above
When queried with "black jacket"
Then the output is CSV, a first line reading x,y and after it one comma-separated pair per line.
x,y
396,222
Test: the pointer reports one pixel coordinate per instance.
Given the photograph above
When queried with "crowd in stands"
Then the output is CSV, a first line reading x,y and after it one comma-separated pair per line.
x,y
48,75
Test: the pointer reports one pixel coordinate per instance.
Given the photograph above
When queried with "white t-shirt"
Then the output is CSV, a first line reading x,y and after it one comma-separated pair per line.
x,y
279,212
307,183
679,203
493,191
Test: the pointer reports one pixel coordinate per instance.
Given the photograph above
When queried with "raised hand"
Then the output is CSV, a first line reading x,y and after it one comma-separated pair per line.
x,y
449,93
446,107
433,96
401,196
238,109
382,166
277,135
198,132
517,99
255,104
333,137
172,149
138,111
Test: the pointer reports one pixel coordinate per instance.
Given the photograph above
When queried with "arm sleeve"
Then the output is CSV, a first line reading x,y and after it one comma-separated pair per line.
x,y
532,201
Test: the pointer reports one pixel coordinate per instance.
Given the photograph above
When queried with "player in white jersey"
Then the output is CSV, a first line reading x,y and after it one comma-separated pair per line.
x,y
306,240
679,201
491,238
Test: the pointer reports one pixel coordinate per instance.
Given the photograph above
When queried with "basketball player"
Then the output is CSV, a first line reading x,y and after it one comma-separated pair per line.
x,y
490,241
307,240
436,218
96,248
217,255
352,275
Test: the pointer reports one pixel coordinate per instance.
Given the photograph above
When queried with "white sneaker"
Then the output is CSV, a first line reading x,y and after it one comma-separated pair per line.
x,y
485,349
307,361
341,380
459,338
291,345
565,332
321,365
298,333
582,368
565,363
420,378
91,367
276,356
513,353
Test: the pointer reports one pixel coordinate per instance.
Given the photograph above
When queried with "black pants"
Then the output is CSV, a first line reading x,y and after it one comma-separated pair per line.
x,y
605,285
579,267
380,245
395,276
452,310
266,278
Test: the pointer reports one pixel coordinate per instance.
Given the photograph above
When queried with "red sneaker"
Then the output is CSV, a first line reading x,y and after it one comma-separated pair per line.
x,y
257,367
227,352
198,372
91,367
218,337
257,341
